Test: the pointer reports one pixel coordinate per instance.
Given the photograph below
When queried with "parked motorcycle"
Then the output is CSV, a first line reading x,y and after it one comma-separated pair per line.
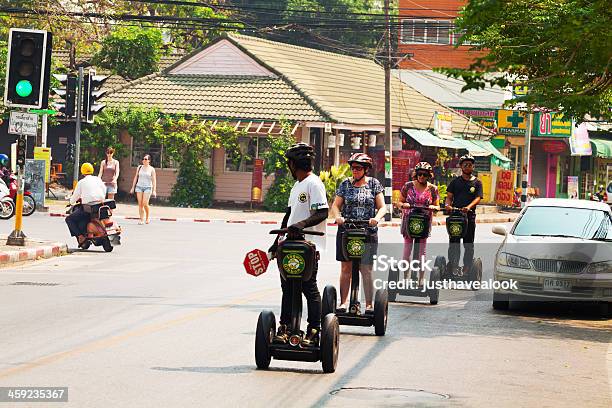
x,y
29,204
7,205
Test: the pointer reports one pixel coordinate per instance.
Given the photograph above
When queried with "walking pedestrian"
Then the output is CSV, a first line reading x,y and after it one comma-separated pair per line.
x,y
109,173
144,185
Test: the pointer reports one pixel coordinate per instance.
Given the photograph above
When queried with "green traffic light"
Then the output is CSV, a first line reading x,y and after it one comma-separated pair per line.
x,y
24,88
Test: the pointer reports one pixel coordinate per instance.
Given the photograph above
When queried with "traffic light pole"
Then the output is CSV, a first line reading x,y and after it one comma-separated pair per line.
x,y
388,131
77,131
17,237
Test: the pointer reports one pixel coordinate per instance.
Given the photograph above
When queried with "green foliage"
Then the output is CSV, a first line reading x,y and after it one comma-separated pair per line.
x,y
331,179
3,51
442,193
131,52
277,197
559,49
194,186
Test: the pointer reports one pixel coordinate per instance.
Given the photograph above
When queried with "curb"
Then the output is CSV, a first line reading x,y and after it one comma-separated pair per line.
x,y
33,253
269,222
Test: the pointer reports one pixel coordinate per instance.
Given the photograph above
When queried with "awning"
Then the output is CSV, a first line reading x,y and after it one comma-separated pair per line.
x,y
424,138
602,147
485,144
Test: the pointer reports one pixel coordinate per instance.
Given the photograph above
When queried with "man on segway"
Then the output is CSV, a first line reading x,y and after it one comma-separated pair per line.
x,y
464,192
307,207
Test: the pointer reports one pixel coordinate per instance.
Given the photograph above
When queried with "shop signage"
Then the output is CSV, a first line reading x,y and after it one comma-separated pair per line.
x,y
580,145
550,124
511,123
553,146
504,188
44,153
403,163
443,124
257,181
484,117
572,187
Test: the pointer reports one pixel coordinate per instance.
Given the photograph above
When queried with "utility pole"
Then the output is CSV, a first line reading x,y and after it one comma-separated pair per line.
x,y
388,133
77,131
526,154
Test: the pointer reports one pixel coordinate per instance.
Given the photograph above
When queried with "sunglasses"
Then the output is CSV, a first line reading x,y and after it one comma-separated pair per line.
x,y
356,168
422,174
468,164
146,158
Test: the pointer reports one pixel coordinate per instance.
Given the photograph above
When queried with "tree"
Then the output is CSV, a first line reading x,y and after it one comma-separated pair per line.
x,y
131,52
560,49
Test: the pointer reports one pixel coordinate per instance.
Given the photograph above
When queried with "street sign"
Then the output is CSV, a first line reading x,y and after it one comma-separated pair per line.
x,y
21,123
256,262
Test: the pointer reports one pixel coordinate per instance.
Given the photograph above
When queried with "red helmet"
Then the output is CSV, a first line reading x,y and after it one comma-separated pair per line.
x,y
360,158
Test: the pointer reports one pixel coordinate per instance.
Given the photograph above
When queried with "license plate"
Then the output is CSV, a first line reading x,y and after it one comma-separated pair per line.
x,y
557,285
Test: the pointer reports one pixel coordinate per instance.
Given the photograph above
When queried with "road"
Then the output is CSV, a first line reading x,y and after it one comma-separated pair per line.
x,y
168,320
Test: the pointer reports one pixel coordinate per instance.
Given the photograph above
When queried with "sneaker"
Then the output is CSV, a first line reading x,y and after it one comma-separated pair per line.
x,y
282,336
312,337
342,309
369,309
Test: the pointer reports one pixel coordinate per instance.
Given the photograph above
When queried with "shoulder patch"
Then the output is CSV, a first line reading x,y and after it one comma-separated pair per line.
x,y
302,197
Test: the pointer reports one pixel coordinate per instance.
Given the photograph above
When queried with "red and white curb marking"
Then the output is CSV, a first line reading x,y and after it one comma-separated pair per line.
x,y
31,254
500,219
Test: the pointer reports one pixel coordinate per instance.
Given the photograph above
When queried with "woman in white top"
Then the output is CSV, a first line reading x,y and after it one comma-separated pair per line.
x,y
109,173
144,185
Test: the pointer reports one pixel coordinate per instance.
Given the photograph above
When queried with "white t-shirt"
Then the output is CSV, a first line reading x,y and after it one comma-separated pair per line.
x,y
90,190
308,196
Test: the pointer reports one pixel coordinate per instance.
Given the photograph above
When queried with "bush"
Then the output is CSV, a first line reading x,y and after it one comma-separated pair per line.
x,y
277,197
442,193
331,179
194,186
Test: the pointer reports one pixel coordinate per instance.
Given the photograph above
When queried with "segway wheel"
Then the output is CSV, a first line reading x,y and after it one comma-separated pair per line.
x,y
476,272
440,263
434,294
330,343
106,244
500,302
329,301
392,277
266,327
381,311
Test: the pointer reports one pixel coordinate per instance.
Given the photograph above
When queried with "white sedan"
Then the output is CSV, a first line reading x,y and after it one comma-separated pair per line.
x,y
557,249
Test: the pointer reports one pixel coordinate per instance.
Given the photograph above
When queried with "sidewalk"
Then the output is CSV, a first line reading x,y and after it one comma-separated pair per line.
x,y
160,213
33,250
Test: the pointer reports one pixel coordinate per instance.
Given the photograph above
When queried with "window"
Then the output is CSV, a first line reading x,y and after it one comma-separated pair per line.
x,y
249,148
156,151
426,31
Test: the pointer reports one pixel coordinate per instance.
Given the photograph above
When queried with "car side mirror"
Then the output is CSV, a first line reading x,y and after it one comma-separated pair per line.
x,y
499,230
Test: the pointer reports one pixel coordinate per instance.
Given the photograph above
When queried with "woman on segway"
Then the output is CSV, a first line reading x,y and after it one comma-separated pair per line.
x,y
358,198
417,193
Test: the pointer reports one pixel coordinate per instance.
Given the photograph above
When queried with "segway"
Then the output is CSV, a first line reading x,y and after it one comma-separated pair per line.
x,y
418,226
456,227
354,248
296,259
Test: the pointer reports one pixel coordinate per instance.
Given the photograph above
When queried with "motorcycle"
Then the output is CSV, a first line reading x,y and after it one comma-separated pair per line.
x,y
7,205
101,229
29,204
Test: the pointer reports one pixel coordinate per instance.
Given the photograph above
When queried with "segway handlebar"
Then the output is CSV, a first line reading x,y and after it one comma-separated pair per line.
x,y
357,223
305,232
421,207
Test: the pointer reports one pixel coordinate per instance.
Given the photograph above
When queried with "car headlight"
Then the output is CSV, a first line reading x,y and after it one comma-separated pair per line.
x,y
599,267
513,261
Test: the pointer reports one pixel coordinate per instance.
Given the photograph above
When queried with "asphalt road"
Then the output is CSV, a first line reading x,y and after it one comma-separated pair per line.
x,y
168,320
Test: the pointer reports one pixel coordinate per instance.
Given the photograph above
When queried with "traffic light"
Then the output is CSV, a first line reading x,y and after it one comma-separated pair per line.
x,y
91,94
68,94
27,68
21,150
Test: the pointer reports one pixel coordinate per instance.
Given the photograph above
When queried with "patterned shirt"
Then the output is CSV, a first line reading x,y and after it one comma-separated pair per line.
x,y
413,197
359,202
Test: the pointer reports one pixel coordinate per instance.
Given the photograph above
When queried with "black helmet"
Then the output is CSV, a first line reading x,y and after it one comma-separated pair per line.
x,y
466,157
300,152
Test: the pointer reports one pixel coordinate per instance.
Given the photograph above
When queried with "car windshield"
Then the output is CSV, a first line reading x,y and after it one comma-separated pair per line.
x,y
565,222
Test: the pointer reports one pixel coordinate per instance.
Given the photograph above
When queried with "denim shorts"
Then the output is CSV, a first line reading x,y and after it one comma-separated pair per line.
x,y
111,189
140,189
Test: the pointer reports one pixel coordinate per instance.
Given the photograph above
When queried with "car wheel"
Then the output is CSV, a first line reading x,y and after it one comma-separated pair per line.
x,y
501,302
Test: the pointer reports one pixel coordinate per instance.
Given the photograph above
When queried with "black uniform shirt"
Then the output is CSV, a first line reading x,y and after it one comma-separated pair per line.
x,y
464,192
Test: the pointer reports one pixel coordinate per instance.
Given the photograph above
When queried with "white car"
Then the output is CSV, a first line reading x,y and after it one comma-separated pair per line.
x,y
557,249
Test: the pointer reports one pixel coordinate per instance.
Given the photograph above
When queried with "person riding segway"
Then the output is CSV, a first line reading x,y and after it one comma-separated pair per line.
x,y
298,263
418,199
358,207
463,195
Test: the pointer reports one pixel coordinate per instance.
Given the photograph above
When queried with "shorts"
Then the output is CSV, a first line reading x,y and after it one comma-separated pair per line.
x,y
370,250
140,189
111,189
